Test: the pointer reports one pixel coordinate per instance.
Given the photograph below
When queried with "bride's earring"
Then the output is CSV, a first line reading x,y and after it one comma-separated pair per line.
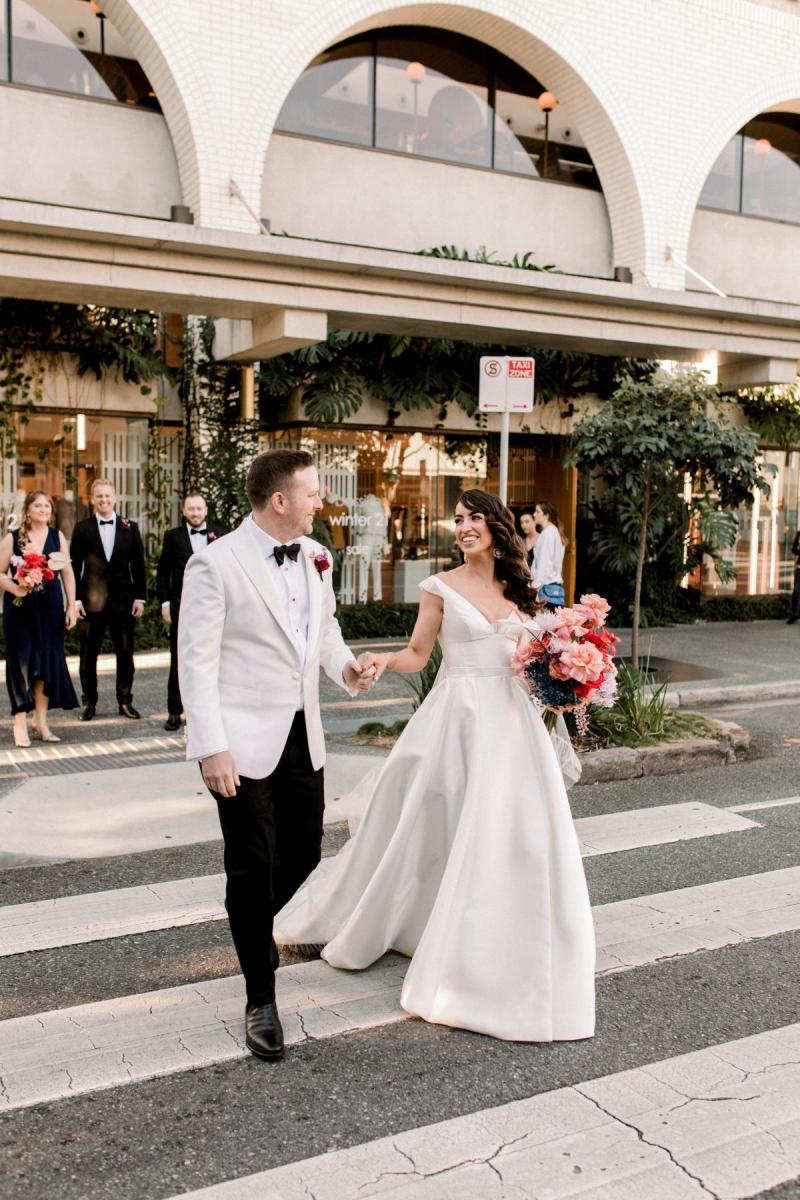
x,y
498,553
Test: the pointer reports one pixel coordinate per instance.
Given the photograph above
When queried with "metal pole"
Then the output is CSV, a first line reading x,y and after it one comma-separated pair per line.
x,y
504,428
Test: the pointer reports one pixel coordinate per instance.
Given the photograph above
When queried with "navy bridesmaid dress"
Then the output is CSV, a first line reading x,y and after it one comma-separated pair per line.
x,y
34,637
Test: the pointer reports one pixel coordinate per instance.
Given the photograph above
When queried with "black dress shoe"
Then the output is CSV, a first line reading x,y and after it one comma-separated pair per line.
x,y
127,710
88,712
263,1031
172,723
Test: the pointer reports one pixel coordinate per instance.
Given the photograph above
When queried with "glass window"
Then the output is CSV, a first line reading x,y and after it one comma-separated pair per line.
x,y
722,189
333,99
771,167
432,100
3,42
65,47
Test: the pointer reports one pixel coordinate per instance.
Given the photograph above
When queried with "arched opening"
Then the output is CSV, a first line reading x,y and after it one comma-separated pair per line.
x,y
70,46
758,172
435,94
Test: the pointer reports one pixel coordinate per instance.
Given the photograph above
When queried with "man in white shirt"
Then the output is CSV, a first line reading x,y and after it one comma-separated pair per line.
x,y
111,586
257,622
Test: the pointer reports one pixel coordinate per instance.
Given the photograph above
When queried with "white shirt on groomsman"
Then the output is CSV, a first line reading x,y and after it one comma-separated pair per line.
x,y
108,529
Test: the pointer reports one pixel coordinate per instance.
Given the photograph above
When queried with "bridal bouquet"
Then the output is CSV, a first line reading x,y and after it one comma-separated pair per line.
x,y
32,570
568,661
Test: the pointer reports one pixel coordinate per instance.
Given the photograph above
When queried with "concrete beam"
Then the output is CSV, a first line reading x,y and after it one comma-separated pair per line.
x,y
269,335
53,253
755,372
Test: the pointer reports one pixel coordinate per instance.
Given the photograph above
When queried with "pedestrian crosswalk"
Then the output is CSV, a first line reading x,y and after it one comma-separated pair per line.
x,y
723,1120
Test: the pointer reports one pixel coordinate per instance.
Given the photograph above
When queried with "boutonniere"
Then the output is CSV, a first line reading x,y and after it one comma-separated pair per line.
x,y
211,537
125,523
320,561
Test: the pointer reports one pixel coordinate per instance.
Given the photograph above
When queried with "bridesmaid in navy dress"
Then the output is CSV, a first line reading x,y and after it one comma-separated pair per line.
x,y
36,669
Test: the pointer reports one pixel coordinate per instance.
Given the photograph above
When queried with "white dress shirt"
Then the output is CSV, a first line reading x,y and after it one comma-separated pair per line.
x,y
292,586
197,540
548,557
107,534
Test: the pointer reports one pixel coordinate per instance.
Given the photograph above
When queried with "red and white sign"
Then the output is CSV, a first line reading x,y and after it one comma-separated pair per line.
x,y
506,384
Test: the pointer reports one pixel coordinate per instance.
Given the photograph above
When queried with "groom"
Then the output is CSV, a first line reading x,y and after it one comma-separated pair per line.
x,y
257,621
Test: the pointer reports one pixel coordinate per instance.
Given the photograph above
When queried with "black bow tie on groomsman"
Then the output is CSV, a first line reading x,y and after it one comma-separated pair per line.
x,y
282,552
110,522
204,531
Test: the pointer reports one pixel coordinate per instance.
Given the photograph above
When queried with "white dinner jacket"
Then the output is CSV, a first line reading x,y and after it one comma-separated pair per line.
x,y
241,675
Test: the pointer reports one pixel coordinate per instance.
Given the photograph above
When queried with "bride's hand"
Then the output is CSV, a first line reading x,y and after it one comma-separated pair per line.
x,y
377,663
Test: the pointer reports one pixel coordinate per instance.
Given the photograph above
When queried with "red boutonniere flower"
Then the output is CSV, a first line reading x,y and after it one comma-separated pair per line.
x,y
211,537
125,523
321,562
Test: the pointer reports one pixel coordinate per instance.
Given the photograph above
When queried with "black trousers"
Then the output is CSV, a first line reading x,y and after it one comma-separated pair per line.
x,y
796,593
174,702
273,841
91,631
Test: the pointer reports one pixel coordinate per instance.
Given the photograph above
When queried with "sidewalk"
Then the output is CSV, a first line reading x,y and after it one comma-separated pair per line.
x,y
725,662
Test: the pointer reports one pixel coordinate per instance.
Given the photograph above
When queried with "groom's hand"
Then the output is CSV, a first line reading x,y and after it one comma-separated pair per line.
x,y
220,774
357,678
374,664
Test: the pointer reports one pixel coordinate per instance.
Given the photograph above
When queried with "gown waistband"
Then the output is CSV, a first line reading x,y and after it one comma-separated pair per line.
x,y
477,672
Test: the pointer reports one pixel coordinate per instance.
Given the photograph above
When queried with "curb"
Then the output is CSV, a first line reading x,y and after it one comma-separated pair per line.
x,y
669,758
733,693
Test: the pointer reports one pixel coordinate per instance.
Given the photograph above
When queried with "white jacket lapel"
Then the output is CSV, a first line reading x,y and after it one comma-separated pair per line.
x,y
249,557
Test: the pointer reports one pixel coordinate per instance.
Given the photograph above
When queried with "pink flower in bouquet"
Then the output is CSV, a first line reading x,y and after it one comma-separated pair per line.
x,y
548,622
525,653
593,608
570,621
32,578
583,662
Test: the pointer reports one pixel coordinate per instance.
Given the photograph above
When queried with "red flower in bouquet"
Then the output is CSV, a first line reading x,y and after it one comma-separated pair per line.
x,y
568,661
321,562
31,572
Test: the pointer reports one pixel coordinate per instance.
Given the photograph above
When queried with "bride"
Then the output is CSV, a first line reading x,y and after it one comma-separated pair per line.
x,y
466,859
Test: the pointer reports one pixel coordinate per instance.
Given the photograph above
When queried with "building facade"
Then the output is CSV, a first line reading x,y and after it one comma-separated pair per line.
x,y
281,166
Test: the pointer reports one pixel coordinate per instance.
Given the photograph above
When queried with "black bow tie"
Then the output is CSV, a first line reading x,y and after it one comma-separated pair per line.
x,y
203,531
111,522
282,552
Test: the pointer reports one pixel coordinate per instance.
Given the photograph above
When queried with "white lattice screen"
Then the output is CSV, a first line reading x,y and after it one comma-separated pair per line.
x,y
10,507
124,464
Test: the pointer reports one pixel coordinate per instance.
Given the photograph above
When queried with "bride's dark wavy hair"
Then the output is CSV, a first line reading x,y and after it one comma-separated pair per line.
x,y
511,565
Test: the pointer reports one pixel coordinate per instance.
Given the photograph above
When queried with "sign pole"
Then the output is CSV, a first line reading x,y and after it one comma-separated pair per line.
x,y
504,430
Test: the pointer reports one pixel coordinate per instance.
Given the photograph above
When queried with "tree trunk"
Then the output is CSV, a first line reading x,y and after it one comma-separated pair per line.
x,y
637,591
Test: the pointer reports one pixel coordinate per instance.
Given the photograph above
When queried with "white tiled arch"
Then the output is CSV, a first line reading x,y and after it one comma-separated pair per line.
x,y
532,38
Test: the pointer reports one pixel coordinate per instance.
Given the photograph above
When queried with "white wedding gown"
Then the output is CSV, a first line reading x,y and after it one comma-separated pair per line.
x,y
466,858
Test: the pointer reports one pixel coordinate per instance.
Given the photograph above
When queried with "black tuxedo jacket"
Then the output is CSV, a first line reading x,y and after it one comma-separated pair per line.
x,y
175,554
113,584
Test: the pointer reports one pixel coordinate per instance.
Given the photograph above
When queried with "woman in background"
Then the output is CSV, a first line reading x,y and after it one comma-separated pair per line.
x,y
36,669
530,534
548,556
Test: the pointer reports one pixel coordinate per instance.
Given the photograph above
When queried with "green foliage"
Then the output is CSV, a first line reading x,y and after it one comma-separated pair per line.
x,y
421,683
647,439
746,608
640,716
410,374
521,262
219,445
774,414
376,733
376,620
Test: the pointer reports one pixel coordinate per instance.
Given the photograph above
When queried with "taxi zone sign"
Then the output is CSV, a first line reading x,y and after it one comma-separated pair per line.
x,y
506,384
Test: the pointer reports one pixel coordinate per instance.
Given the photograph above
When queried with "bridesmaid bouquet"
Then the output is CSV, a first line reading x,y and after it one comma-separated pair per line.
x,y
568,660
32,570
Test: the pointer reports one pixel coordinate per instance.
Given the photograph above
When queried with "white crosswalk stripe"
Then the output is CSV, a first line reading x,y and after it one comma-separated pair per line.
x,y
74,919
721,1121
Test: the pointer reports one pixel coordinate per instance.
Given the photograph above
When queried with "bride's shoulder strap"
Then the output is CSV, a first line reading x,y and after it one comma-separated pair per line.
x,y
431,584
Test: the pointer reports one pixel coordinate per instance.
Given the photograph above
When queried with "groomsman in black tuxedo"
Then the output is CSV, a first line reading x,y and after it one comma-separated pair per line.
x,y
179,545
108,561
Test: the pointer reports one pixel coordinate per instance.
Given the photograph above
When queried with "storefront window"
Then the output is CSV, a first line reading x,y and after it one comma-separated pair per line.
x,y
66,46
758,172
438,95
762,555
62,456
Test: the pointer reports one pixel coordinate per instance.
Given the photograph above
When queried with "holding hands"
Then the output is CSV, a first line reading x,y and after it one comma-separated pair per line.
x,y
359,676
373,665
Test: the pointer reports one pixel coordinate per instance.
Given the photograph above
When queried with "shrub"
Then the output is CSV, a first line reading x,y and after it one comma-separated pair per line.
x,y
377,620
